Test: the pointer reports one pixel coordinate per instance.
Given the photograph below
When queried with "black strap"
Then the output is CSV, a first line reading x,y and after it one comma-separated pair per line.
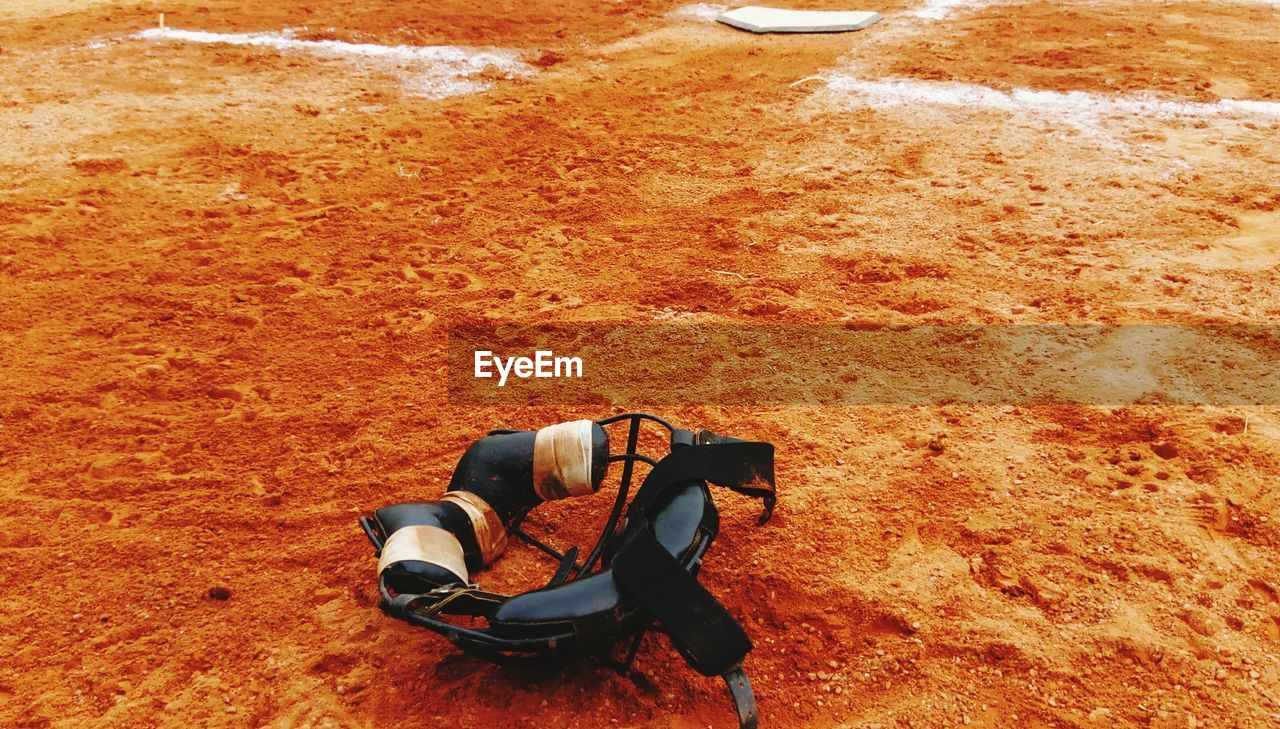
x,y
449,600
702,630
743,466
744,699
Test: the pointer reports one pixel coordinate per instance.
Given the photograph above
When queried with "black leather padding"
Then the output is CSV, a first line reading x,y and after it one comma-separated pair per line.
x,y
683,521
414,576
447,516
499,469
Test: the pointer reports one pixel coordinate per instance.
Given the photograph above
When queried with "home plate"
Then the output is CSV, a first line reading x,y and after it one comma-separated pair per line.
x,y
775,20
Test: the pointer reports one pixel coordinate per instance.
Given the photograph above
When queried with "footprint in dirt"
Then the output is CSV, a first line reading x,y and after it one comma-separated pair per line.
x,y
19,539
94,166
1264,591
442,280
122,466
1254,247
1210,511
93,514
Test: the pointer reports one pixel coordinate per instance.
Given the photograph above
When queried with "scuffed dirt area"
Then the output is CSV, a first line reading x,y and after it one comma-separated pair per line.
x,y
1183,50
227,275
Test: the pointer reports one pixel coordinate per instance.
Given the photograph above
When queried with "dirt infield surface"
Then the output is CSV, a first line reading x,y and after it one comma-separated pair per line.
x,y
228,264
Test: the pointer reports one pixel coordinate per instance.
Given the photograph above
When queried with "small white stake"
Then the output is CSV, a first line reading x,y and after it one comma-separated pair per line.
x,y
161,21
806,79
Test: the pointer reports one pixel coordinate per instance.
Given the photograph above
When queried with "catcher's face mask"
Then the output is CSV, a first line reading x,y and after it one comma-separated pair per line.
x,y
633,578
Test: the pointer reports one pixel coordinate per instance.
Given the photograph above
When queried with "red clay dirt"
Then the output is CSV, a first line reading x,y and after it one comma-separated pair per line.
x,y
227,274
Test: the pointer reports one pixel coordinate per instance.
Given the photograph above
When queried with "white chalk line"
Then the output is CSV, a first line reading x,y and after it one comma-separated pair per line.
x,y
706,12
929,10
939,9
1083,109
441,70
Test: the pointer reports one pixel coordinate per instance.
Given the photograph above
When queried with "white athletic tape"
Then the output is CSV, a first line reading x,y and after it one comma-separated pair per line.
x,y
429,544
491,533
562,460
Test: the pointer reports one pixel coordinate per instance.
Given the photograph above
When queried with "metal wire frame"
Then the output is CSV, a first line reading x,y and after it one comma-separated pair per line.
x,y
628,460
